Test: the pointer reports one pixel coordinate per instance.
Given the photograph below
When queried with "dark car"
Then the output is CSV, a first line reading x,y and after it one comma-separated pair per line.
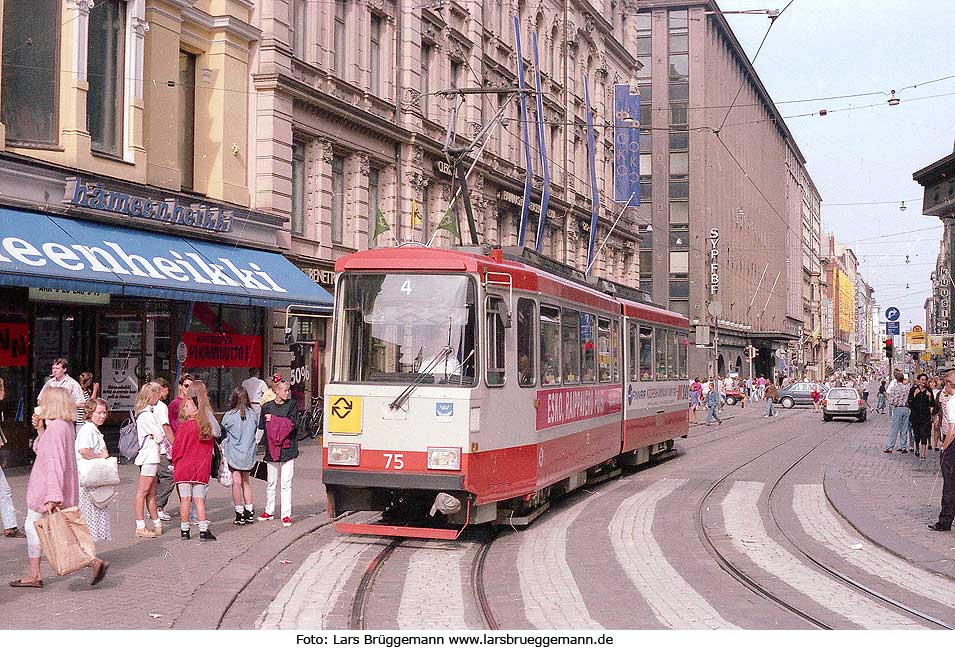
x,y
799,393
844,401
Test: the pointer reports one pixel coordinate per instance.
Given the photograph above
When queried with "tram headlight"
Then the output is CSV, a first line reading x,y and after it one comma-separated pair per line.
x,y
444,458
344,454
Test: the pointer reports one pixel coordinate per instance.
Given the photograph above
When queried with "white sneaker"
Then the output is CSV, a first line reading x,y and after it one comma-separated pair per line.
x,y
165,517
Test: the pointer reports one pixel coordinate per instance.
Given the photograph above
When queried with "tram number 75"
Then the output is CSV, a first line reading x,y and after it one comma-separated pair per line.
x,y
394,461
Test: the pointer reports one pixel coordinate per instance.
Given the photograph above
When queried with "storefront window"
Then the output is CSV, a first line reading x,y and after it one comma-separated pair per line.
x,y
222,360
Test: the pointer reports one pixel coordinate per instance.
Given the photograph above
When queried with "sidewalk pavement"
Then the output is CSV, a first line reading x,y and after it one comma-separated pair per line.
x,y
162,582
890,498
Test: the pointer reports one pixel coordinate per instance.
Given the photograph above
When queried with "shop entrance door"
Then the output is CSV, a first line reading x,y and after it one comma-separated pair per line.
x,y
62,331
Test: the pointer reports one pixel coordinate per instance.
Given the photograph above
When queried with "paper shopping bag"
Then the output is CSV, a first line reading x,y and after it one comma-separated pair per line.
x,y
66,540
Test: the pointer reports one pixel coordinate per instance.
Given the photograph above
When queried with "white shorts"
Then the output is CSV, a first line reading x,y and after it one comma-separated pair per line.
x,y
149,469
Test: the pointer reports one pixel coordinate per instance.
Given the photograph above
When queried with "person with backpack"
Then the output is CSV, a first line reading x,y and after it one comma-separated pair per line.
x,y
192,460
151,438
278,420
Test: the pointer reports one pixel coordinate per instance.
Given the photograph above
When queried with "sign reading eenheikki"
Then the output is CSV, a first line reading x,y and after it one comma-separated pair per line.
x,y
170,211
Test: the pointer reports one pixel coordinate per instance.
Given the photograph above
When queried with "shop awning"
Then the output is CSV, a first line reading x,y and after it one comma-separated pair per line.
x,y
40,250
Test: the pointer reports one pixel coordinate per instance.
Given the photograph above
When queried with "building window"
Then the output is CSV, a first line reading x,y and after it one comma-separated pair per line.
x,y
300,29
646,103
680,92
341,44
30,46
374,55
643,45
679,67
679,289
373,206
679,189
679,139
680,307
456,68
338,199
187,119
107,69
679,262
679,163
298,188
426,51
679,213
679,239
679,115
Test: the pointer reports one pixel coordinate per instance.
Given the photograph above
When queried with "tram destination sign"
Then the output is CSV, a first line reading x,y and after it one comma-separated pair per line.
x,y
96,196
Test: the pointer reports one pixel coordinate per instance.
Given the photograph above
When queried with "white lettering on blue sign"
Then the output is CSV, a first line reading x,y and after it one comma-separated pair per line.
x,y
112,258
444,410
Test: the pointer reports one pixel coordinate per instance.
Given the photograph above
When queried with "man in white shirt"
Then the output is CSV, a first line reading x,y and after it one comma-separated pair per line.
x,y
60,378
255,387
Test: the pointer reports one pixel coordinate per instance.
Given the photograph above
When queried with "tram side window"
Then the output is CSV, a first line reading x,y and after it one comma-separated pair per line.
x,y
672,355
604,352
495,341
588,357
660,344
646,353
615,349
682,344
526,355
634,357
550,345
570,345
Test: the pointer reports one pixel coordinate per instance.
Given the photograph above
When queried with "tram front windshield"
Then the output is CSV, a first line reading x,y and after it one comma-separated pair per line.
x,y
400,328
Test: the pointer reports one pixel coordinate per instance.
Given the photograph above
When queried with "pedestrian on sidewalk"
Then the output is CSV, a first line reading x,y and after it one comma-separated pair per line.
x,y
59,378
898,407
938,431
8,512
816,396
772,395
151,437
713,402
880,405
256,388
164,482
947,513
192,460
239,425
90,444
90,391
695,393
54,483
922,408
278,421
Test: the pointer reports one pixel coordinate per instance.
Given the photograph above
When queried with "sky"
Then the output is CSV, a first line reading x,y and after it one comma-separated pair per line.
x,y
867,154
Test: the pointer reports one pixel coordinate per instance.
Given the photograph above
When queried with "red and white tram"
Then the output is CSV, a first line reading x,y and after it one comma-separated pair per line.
x,y
471,385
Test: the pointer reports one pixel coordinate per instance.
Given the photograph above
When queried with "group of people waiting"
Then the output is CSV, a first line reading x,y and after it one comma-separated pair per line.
x,y
918,411
177,444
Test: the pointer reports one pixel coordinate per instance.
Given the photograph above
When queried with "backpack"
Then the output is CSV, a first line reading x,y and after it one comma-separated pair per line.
x,y
129,438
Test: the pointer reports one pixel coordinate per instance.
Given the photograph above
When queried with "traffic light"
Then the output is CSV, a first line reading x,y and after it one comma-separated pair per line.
x,y
888,347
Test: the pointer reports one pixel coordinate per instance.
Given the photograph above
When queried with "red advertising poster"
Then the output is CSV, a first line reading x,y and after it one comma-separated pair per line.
x,y
14,342
216,350
562,406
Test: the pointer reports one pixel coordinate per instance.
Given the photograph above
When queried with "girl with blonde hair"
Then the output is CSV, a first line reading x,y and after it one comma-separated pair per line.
x,y
151,438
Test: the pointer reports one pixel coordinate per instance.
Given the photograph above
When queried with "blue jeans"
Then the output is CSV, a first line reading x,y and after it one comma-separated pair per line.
x,y
881,405
770,407
900,427
711,414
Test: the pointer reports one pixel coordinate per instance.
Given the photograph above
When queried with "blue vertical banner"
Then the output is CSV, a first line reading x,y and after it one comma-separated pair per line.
x,y
592,157
542,148
525,130
626,145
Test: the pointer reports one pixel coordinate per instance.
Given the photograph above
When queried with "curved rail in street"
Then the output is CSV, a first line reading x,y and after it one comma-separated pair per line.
x,y
367,580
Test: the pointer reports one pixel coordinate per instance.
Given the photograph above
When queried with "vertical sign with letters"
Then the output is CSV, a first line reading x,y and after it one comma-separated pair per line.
x,y
626,145
714,255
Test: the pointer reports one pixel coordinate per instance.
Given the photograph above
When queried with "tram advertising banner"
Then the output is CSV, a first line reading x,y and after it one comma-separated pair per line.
x,y
568,405
217,350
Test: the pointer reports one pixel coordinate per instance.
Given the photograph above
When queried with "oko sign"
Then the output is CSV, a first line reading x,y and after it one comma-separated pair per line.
x,y
626,145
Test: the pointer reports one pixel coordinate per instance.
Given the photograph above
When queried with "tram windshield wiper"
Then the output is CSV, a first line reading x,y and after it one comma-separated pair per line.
x,y
425,373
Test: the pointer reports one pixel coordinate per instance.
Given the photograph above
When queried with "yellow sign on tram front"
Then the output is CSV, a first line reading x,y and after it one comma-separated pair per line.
x,y
344,414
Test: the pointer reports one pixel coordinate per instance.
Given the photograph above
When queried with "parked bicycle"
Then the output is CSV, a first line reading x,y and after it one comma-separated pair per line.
x,y
310,422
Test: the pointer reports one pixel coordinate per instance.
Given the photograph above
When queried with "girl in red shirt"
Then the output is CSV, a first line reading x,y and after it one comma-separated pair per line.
x,y
192,460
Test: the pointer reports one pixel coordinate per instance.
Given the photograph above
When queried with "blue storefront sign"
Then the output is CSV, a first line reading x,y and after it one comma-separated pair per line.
x,y
41,250
626,145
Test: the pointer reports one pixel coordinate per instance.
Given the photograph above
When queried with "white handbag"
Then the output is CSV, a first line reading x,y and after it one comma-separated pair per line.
x,y
98,472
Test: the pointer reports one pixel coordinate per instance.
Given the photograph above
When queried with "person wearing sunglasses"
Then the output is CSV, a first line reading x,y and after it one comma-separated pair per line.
x,y
165,465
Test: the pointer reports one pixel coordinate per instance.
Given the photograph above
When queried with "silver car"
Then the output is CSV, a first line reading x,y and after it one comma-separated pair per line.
x,y
843,402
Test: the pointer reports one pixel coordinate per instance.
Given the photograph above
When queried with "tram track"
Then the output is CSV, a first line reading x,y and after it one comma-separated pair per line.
x,y
831,571
358,616
752,584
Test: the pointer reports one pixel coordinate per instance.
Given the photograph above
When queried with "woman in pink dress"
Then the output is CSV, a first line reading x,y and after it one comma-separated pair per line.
x,y
54,482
